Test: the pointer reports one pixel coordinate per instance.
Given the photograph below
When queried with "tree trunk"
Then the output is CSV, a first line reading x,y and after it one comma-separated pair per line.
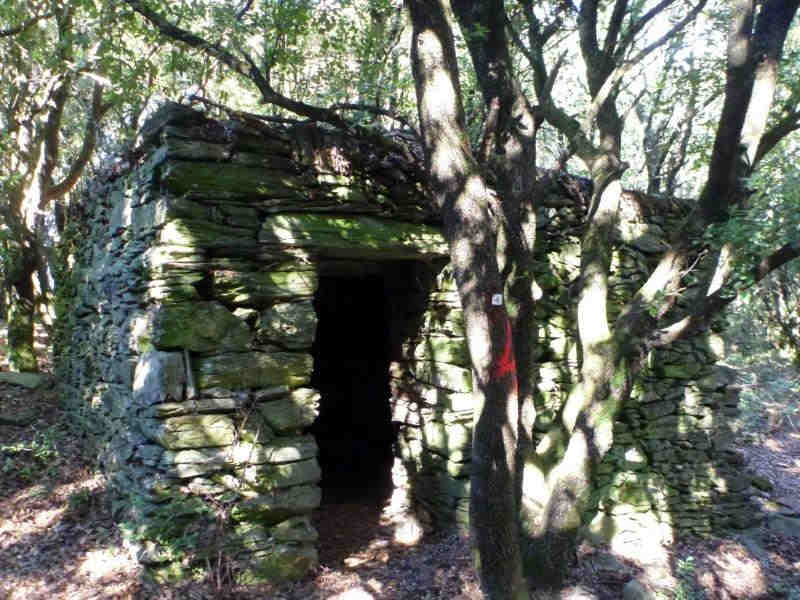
x,y
472,233
21,304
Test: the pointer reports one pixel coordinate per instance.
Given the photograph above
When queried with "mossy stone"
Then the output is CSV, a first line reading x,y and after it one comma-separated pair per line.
x,y
291,413
281,563
230,181
207,235
198,327
288,324
268,477
442,349
443,375
296,529
447,439
278,450
191,431
274,506
353,237
244,370
257,288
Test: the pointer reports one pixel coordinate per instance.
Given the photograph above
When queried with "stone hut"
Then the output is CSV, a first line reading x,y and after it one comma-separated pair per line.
x,y
262,316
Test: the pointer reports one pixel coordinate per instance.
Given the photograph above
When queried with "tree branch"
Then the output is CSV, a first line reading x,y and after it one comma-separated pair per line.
x,y
614,78
770,34
777,259
377,110
98,110
245,68
51,137
242,11
12,31
679,26
614,26
775,134
543,84
711,305
637,26
596,70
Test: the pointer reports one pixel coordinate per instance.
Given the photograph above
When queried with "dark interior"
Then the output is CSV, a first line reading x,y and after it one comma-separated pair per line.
x,y
352,350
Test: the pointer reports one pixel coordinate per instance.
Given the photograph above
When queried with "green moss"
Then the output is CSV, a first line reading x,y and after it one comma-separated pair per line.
x,y
292,413
269,477
21,355
231,181
250,288
191,431
353,237
245,370
281,563
276,505
198,327
443,350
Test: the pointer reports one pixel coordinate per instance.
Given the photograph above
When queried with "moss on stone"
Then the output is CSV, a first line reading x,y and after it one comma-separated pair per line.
x,y
353,237
266,477
191,431
245,370
257,288
198,327
231,181
292,413
281,563
275,505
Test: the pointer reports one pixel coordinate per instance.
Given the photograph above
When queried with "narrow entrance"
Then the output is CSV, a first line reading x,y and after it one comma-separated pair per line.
x,y
352,351
365,312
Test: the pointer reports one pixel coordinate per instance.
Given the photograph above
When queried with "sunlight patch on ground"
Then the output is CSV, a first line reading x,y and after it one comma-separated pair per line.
x,y
49,553
104,564
13,530
377,551
94,482
354,594
28,494
39,519
735,572
774,445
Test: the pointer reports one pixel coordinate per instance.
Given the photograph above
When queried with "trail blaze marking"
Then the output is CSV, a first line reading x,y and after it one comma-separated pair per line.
x,y
505,364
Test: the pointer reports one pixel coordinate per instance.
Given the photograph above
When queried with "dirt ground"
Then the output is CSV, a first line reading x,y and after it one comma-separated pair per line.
x,y
58,539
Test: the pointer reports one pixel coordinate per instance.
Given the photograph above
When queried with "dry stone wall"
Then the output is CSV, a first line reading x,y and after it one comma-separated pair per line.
x,y
187,349
670,470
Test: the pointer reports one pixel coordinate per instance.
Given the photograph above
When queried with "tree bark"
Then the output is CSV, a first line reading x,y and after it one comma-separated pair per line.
x,y
471,231
21,301
508,153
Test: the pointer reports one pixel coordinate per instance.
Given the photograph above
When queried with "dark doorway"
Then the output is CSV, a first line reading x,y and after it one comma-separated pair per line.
x,y
352,350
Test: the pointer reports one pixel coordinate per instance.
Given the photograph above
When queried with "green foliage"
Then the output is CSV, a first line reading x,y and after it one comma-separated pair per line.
x,y
81,502
770,396
769,219
34,459
176,527
687,588
765,317
65,289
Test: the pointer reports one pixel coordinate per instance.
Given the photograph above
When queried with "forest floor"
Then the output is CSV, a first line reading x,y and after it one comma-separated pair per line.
x,y
58,538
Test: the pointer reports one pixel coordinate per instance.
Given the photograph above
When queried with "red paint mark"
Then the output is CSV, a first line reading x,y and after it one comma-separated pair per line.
x,y
506,364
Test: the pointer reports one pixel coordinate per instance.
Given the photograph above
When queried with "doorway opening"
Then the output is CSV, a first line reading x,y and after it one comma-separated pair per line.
x,y
365,313
352,351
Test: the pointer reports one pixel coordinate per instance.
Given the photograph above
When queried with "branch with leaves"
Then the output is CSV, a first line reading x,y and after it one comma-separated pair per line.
x,y
24,26
245,67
